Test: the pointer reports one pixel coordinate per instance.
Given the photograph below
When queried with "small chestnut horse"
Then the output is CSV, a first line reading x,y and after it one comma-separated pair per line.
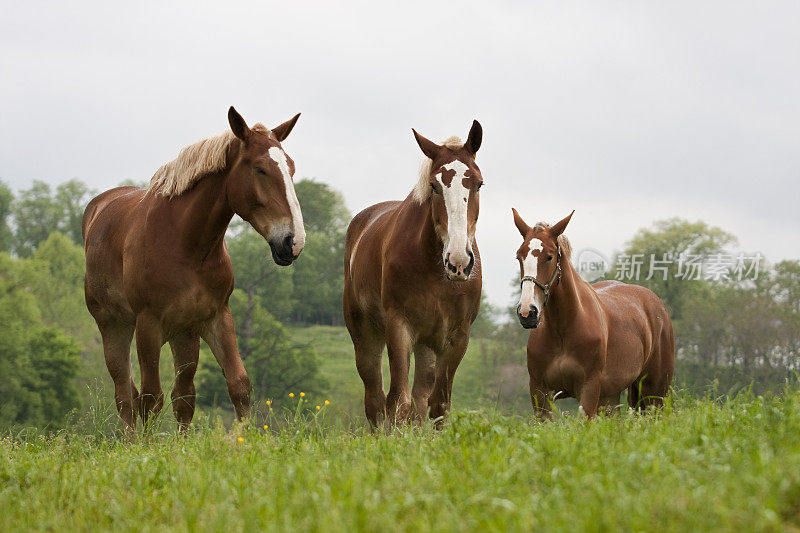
x,y
412,282
157,265
595,340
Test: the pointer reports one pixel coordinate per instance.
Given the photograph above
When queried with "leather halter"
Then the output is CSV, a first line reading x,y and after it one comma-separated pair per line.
x,y
549,285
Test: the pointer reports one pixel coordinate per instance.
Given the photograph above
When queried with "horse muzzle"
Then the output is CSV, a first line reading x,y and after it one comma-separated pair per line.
x,y
459,270
282,252
531,319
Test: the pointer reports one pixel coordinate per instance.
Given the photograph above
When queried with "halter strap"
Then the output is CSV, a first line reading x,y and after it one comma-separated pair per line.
x,y
549,285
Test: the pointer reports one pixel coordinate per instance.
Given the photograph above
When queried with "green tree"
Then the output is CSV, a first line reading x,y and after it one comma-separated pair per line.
x,y
55,358
72,197
669,240
319,273
39,211
486,322
54,274
36,215
38,363
323,207
6,235
256,273
319,280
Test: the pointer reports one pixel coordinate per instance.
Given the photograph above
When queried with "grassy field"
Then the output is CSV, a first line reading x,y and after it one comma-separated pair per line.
x,y
700,465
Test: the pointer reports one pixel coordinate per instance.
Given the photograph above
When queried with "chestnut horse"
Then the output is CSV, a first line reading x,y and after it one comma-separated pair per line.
x,y
594,341
412,282
157,265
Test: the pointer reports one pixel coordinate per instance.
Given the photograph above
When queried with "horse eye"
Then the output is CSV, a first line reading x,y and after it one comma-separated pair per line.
x,y
549,257
261,171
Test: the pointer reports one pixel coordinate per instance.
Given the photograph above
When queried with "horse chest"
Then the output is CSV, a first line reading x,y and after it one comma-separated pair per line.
x,y
563,373
436,314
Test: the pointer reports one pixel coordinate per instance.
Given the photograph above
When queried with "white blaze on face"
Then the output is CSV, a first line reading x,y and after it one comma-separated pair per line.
x,y
298,229
529,266
455,201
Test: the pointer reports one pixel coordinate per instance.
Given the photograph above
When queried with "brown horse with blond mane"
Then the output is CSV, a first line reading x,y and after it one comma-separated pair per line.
x,y
157,266
588,342
412,282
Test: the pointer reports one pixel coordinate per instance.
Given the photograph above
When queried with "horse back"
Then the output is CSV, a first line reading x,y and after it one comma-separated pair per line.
x,y
100,202
632,308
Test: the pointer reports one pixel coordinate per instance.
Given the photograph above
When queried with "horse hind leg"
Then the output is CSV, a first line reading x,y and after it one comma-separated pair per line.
x,y
609,405
652,386
634,394
646,392
185,352
117,352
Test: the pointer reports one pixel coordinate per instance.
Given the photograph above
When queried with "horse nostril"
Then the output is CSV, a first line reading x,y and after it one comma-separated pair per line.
x,y
471,262
288,241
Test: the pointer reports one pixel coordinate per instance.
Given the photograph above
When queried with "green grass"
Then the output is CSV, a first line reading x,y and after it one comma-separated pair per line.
x,y
699,465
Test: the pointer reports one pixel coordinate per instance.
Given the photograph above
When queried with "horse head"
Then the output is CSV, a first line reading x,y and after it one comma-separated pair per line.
x,y
452,187
540,266
260,187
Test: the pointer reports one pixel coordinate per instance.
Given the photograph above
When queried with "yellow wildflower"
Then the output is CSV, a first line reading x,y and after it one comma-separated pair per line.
x,y
318,408
302,394
327,402
291,395
240,439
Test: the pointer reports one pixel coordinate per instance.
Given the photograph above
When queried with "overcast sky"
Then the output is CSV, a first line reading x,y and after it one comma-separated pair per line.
x,y
627,112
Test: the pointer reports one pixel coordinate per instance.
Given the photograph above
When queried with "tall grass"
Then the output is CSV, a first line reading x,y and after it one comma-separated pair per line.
x,y
712,464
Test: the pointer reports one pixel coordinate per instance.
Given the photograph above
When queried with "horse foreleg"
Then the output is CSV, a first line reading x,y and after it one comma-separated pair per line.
x,y
148,347
185,353
590,397
446,364
398,344
540,400
424,380
220,335
368,345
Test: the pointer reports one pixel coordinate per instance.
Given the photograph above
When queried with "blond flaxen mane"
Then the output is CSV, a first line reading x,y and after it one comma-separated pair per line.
x,y
563,242
422,190
193,163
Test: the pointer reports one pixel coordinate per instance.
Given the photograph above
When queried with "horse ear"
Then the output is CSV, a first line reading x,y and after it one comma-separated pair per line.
x,y
521,225
560,226
474,138
283,131
429,148
238,125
